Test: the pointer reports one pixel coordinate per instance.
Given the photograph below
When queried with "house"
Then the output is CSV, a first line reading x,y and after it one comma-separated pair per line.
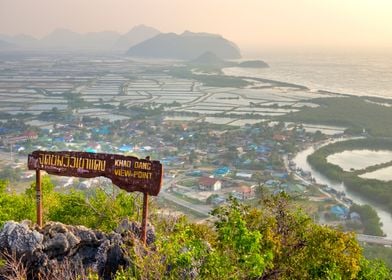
x,y
90,150
355,216
244,175
245,192
211,184
280,175
339,211
196,173
126,148
104,130
222,171
68,137
146,148
15,139
31,135
263,149
279,137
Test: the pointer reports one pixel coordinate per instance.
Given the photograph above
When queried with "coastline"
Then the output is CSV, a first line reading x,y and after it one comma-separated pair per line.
x,y
247,73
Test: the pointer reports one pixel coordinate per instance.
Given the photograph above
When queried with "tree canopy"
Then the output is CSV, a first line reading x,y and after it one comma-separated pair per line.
x,y
273,241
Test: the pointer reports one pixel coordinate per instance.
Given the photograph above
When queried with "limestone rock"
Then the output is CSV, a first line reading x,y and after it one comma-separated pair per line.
x,y
135,228
20,238
44,251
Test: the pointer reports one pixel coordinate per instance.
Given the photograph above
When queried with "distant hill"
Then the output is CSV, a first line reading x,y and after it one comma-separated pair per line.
x,y
60,38
135,36
24,40
140,41
19,41
253,64
209,59
186,46
67,39
64,39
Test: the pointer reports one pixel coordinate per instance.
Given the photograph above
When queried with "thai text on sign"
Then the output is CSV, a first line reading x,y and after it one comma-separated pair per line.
x,y
128,173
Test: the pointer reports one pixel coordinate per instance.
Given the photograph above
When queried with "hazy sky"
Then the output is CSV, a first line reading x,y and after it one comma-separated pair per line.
x,y
250,23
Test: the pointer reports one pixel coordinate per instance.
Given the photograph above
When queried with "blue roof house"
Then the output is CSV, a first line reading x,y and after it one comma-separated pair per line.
x,y
339,211
222,171
126,148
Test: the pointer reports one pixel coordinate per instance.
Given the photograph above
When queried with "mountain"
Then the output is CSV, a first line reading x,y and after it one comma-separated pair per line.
x,y
210,60
67,39
24,40
186,46
135,36
60,38
141,40
19,41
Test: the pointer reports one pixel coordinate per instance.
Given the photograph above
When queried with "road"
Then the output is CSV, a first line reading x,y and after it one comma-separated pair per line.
x,y
308,183
202,210
374,239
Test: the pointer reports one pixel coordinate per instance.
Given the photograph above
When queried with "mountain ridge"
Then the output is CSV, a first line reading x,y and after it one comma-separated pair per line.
x,y
66,39
187,45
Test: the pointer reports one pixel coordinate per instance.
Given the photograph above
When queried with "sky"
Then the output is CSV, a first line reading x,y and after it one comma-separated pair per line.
x,y
251,24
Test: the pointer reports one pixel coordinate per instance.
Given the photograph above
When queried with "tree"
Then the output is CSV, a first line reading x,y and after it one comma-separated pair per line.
x,y
259,178
273,241
192,157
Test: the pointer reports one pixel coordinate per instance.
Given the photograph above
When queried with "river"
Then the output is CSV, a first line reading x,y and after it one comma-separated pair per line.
x,y
301,162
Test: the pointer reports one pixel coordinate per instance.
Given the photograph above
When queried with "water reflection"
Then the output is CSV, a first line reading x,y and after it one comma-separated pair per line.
x,y
301,162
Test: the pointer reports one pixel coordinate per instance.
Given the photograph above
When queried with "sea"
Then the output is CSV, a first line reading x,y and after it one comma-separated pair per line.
x,y
353,74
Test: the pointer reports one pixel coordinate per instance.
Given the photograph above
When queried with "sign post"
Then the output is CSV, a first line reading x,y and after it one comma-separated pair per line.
x,y
143,236
128,173
38,189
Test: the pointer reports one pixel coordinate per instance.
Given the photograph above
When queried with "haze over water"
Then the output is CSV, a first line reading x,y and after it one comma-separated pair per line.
x,y
354,74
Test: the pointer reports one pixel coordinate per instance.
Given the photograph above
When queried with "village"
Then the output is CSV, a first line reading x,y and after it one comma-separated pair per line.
x,y
214,142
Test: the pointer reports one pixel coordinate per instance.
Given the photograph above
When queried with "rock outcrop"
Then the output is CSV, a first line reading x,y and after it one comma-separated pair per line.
x,y
56,245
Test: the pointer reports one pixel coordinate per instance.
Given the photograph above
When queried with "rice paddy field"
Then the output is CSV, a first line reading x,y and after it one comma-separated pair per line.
x,y
41,84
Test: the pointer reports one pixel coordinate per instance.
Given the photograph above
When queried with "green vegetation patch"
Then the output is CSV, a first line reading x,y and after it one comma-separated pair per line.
x,y
375,190
378,252
274,241
352,112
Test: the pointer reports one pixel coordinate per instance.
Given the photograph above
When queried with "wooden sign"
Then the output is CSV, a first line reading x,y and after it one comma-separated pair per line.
x,y
128,173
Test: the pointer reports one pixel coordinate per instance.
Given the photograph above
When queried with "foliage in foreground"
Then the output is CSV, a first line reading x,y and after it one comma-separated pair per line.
x,y
97,210
274,241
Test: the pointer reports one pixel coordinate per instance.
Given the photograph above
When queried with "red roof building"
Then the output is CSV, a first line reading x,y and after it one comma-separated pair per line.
x,y
31,135
211,184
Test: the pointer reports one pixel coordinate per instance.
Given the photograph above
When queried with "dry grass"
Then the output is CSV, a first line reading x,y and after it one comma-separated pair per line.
x,y
13,268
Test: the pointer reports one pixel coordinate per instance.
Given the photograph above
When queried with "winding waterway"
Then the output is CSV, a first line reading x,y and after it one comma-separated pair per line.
x,y
301,162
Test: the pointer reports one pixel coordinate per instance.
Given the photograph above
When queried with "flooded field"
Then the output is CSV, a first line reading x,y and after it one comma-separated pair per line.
x,y
383,174
359,159
42,84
